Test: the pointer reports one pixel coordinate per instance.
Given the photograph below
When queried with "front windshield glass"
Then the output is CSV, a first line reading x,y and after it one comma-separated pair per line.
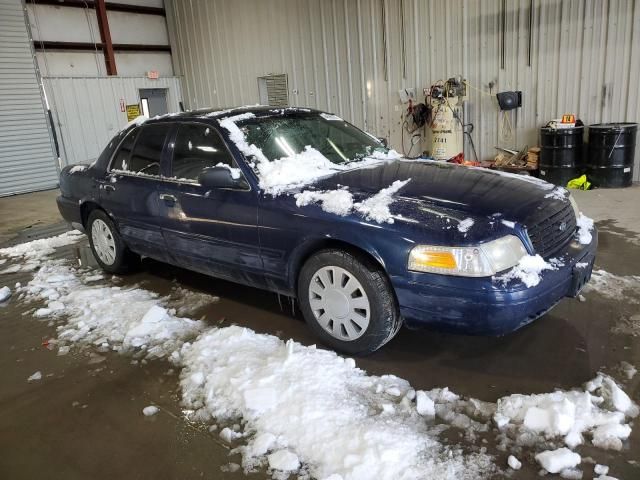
x,y
339,141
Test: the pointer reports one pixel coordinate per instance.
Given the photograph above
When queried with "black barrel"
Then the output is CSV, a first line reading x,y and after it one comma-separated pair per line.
x,y
611,151
561,154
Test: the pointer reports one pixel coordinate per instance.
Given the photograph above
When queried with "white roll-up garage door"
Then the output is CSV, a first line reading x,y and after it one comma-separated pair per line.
x,y
27,159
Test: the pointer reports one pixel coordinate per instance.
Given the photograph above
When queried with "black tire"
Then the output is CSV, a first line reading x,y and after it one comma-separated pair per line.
x,y
125,260
385,320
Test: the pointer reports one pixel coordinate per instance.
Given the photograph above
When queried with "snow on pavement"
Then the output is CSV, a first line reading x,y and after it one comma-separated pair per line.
x,y
34,252
303,409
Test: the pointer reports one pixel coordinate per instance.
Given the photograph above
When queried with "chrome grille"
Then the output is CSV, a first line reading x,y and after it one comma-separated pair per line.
x,y
553,232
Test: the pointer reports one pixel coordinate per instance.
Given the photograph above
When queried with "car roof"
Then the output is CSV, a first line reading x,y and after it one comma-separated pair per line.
x,y
219,114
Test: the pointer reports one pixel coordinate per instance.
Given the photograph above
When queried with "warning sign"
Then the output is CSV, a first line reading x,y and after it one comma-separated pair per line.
x,y
133,111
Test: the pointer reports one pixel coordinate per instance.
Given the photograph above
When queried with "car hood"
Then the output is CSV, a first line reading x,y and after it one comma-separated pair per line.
x,y
443,194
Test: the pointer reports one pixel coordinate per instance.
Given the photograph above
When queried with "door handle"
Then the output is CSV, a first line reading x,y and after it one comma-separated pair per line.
x,y
109,188
168,199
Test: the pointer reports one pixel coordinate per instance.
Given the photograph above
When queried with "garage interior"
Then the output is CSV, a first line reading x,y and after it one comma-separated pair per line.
x,y
542,88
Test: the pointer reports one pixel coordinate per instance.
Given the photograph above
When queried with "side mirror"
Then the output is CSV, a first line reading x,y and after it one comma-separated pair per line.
x,y
383,141
220,177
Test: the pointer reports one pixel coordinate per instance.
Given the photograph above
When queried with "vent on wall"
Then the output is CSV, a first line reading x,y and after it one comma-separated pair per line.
x,y
273,90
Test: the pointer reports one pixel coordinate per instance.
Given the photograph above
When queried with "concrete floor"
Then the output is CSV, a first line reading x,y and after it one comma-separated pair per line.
x,y
83,420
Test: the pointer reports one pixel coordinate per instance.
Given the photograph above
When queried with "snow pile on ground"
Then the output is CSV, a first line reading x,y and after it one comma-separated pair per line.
x,y
187,302
528,271
119,319
376,207
614,287
599,411
5,293
465,225
316,405
37,250
585,227
301,409
339,202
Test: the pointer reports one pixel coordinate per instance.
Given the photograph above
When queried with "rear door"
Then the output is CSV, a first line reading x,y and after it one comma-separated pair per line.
x,y
130,190
209,230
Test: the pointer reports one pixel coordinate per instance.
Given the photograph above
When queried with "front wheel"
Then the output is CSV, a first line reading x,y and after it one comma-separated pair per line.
x,y
108,248
348,302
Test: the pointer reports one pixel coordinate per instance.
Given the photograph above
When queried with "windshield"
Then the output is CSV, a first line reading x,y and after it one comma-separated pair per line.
x,y
337,140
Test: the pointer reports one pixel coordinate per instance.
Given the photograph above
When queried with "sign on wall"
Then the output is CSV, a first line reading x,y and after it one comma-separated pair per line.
x,y
133,111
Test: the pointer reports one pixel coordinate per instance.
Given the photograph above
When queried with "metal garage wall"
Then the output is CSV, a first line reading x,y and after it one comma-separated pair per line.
x,y
87,110
352,56
27,161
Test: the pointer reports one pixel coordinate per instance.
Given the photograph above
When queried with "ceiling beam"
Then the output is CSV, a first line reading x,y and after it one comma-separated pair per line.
x,y
111,6
88,46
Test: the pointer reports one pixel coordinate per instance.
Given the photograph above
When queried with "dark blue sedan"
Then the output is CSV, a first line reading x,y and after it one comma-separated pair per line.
x,y
302,203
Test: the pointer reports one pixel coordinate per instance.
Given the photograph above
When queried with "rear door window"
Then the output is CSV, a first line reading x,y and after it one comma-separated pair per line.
x,y
198,147
147,151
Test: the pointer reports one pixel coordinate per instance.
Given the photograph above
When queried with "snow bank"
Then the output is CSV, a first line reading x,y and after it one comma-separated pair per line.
x,y
585,226
37,250
121,319
335,417
297,408
528,271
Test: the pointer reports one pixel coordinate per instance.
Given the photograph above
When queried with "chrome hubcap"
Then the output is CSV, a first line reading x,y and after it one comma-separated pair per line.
x,y
103,242
339,303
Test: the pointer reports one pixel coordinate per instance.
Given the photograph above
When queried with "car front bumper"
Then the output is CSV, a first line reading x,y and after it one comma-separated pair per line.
x,y
488,306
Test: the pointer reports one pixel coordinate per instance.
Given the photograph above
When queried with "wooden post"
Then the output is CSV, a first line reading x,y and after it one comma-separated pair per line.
x,y
105,36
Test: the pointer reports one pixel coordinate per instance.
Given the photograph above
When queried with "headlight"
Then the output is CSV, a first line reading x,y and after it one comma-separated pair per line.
x,y
483,260
574,205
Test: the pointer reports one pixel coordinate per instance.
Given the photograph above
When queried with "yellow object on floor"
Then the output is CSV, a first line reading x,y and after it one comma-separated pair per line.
x,y
580,183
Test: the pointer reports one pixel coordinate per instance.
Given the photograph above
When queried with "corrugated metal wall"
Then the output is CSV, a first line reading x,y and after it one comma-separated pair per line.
x,y
87,110
27,161
351,57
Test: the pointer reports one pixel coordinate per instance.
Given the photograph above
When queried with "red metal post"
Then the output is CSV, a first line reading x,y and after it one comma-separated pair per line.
x,y
105,36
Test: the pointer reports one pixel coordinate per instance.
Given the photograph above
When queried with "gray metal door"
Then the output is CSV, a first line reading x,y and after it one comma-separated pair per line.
x,y
154,100
27,159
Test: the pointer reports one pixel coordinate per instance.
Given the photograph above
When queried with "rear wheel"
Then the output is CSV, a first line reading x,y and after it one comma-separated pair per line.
x,y
348,302
107,246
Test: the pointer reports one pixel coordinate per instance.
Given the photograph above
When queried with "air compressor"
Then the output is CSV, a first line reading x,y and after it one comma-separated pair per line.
x,y
446,102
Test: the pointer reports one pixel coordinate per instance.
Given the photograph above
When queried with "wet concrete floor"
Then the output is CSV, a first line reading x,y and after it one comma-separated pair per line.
x,y
84,420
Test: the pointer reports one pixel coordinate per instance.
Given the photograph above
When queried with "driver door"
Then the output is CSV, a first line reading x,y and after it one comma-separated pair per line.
x,y
209,230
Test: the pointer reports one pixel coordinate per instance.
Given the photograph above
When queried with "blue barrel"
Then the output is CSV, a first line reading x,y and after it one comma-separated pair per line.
x,y
612,149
